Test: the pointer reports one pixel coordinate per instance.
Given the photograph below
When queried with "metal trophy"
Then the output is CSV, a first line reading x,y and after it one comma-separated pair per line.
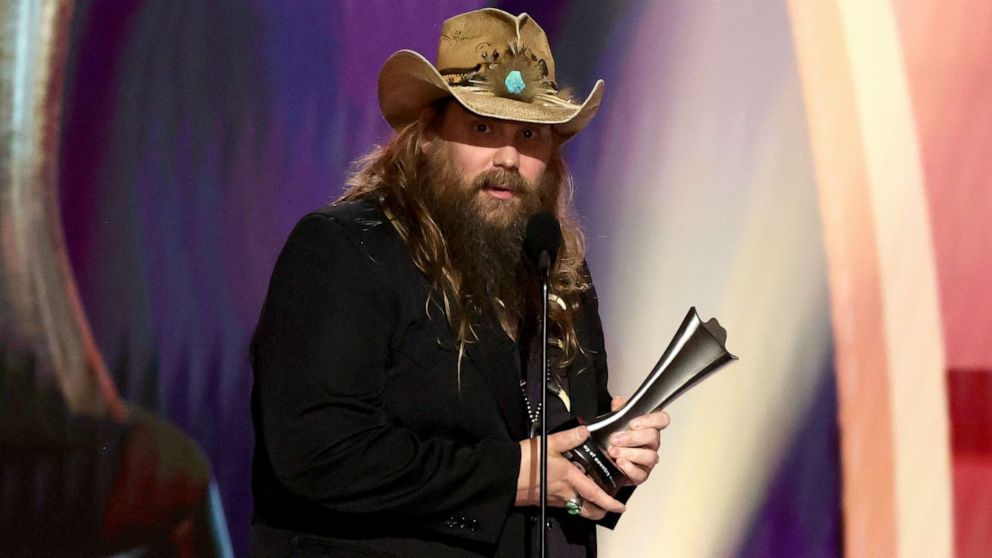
x,y
697,350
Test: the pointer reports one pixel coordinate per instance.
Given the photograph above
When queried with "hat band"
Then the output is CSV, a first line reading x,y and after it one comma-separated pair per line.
x,y
459,76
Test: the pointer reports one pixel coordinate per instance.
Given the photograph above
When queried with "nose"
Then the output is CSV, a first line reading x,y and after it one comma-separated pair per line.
x,y
507,158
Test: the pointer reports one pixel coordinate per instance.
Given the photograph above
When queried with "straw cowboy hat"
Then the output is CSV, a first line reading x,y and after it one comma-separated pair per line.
x,y
495,64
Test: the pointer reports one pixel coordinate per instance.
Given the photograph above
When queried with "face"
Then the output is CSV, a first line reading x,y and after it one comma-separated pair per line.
x,y
500,162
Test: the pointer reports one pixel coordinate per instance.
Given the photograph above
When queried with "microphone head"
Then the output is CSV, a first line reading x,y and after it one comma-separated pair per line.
x,y
543,236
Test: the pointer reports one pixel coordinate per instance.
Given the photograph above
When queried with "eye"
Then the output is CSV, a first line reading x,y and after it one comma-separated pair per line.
x,y
481,128
530,133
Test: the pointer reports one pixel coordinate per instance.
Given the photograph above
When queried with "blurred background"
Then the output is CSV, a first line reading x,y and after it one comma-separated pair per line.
x,y
817,174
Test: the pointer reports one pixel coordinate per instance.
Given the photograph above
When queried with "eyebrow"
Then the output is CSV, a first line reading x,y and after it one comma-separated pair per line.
x,y
490,120
479,118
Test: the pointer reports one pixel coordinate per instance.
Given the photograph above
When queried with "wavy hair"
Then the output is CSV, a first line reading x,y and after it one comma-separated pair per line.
x,y
396,175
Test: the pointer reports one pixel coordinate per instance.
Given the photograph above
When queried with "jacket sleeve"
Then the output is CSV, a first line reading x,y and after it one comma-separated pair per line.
x,y
320,356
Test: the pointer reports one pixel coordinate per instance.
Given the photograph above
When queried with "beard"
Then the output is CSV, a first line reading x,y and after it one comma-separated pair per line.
x,y
484,235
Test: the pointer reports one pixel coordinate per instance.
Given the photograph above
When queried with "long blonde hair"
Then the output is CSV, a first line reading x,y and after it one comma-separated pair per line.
x,y
395,175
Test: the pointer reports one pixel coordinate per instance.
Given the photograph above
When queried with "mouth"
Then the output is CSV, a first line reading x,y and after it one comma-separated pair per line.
x,y
498,191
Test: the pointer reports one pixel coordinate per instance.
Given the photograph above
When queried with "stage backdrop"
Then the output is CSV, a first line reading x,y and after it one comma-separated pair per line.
x,y
814,173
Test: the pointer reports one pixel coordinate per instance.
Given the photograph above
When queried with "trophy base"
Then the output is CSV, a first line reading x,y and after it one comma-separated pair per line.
x,y
595,462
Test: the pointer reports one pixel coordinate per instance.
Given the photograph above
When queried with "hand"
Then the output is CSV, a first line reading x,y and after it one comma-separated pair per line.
x,y
565,480
636,449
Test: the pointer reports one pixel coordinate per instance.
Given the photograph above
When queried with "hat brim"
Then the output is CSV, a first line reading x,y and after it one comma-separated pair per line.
x,y
409,83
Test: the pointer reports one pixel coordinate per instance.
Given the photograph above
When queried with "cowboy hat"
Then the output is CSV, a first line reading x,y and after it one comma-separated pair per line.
x,y
494,64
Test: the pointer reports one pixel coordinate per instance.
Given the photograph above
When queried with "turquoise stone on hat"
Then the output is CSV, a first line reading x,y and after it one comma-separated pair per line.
x,y
514,82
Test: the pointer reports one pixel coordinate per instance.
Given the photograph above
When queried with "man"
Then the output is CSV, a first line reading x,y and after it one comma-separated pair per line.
x,y
395,358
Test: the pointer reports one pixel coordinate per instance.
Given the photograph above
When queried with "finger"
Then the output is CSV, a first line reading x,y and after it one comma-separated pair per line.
x,y
644,457
617,403
588,509
568,439
636,473
647,438
636,463
592,511
657,420
592,493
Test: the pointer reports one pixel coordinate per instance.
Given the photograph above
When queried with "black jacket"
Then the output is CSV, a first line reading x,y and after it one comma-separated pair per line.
x,y
369,440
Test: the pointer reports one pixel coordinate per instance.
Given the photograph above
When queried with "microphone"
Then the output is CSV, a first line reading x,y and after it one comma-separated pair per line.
x,y
541,241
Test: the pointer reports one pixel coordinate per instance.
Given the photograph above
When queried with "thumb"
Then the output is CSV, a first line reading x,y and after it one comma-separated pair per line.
x,y
617,402
567,439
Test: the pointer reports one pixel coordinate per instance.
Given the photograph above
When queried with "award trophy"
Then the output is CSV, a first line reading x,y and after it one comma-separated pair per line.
x,y
697,350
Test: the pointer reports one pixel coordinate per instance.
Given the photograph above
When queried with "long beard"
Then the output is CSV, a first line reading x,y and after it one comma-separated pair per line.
x,y
484,237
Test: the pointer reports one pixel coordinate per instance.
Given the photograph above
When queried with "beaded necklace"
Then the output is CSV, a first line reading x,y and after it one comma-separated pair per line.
x,y
534,413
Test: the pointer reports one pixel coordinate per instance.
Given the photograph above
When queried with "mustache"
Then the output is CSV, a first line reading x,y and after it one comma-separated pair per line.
x,y
505,179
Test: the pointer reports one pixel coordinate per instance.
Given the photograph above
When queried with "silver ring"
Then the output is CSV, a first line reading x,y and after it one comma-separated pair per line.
x,y
574,505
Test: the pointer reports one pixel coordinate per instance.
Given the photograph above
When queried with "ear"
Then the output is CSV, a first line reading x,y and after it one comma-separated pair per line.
x,y
429,133
425,142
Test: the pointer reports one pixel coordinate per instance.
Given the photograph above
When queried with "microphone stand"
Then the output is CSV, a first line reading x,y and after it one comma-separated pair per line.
x,y
541,243
544,265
